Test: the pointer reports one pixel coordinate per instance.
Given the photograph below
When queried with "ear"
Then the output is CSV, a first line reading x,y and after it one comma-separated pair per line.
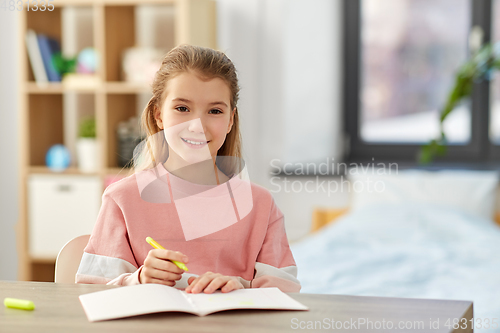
x,y
231,121
157,115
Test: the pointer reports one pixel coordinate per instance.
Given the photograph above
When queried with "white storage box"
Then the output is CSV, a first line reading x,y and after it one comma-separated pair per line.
x,y
60,208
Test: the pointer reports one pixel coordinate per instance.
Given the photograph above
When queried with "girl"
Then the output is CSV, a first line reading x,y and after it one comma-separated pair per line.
x,y
190,193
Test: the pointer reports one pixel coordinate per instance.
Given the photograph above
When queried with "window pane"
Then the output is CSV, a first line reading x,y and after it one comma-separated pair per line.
x,y
410,51
495,84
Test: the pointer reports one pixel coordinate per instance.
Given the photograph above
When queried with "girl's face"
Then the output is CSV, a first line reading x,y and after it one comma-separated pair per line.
x,y
196,117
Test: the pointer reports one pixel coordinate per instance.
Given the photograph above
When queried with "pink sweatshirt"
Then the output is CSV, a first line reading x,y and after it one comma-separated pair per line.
x,y
234,229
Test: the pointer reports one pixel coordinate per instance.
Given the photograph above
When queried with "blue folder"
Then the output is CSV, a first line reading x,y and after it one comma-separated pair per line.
x,y
48,47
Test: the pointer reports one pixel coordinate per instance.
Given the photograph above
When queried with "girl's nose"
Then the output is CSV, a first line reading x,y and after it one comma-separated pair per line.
x,y
196,126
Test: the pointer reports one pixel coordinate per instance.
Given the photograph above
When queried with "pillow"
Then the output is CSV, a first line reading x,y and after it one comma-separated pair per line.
x,y
471,191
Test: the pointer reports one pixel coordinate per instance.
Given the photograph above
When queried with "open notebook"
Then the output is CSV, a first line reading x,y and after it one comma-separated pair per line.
x,y
151,298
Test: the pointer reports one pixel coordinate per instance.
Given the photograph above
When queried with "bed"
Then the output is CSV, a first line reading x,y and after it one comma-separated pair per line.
x,y
427,235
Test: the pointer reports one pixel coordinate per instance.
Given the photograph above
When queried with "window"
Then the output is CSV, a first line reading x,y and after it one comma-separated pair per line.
x,y
401,57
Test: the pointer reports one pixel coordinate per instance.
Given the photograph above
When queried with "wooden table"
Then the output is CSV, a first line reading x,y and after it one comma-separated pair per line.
x,y
58,309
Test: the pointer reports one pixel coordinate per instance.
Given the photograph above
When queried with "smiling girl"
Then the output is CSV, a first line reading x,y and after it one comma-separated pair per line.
x,y
190,193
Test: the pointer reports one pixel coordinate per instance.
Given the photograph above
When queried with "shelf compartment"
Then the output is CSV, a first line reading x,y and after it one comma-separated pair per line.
x,y
45,117
78,25
120,107
119,35
77,107
46,22
147,26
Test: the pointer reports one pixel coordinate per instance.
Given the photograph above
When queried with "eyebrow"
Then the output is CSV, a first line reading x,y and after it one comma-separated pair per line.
x,y
180,99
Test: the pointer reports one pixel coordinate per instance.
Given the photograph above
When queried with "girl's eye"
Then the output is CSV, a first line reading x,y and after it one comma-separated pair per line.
x,y
217,111
182,108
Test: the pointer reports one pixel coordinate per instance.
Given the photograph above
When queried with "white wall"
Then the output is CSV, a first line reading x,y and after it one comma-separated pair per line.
x,y
9,177
288,54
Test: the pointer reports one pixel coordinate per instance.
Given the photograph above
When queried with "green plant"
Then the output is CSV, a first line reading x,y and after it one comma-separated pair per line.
x,y
481,66
64,65
87,128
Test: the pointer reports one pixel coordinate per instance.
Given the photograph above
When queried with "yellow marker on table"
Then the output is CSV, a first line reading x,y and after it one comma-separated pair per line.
x,y
22,304
154,244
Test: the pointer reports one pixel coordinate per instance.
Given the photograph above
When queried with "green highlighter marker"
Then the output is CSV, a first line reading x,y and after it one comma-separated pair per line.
x,y
154,244
22,304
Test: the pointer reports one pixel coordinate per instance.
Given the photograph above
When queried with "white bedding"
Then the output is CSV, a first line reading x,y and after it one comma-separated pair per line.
x,y
406,250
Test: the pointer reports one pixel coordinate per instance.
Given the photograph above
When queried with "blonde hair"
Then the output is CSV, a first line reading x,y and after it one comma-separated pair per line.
x,y
209,64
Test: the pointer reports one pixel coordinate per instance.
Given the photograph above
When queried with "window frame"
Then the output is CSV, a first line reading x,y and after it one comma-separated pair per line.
x,y
479,150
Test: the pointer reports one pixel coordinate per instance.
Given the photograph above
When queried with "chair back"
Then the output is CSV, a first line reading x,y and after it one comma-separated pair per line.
x,y
68,259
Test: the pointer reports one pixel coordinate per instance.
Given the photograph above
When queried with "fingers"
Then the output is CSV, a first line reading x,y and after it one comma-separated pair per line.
x,y
155,273
170,255
216,284
151,275
195,285
199,283
210,282
159,269
158,281
231,285
160,259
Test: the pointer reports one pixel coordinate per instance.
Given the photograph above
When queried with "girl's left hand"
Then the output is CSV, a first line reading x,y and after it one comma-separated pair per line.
x,y
210,282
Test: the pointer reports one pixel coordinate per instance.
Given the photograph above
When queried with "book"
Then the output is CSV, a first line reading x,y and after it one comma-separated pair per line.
x,y
35,57
152,298
48,48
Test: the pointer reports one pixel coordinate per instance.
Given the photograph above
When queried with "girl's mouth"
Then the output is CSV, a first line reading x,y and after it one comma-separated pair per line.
x,y
195,144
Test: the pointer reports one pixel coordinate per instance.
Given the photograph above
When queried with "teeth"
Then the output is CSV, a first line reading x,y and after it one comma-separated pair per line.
x,y
194,143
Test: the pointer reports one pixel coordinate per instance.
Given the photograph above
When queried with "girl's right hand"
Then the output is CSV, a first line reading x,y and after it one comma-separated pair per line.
x,y
159,269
